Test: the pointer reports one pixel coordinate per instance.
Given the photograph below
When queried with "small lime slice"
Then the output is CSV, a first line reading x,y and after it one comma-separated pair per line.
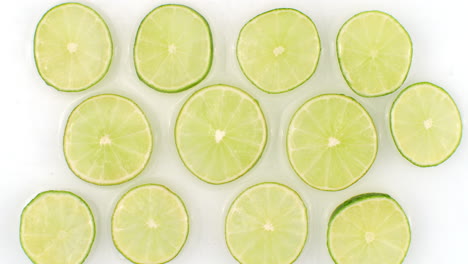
x,y
173,48
107,140
72,47
278,50
425,124
331,142
220,133
267,224
57,227
374,53
150,224
368,229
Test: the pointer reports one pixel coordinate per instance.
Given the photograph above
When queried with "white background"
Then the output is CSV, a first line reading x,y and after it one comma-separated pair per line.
x,y
32,117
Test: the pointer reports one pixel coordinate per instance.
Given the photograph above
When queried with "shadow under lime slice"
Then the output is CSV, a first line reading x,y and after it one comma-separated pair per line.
x,y
150,224
267,224
72,47
173,48
367,229
107,140
57,227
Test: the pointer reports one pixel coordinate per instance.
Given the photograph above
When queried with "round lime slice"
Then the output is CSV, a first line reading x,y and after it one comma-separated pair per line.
x,y
331,142
267,224
278,50
107,140
425,124
173,48
374,53
57,227
367,229
150,224
220,133
72,47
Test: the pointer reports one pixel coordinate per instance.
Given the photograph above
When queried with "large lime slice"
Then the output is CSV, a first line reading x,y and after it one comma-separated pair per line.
x,y
72,47
57,227
374,53
368,229
425,124
173,48
107,140
267,224
150,224
220,133
279,50
331,142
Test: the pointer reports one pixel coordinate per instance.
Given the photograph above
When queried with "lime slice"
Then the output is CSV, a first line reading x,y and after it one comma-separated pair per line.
x,y
150,224
220,133
425,124
57,227
278,50
107,140
173,48
267,224
331,142
367,229
374,53
72,47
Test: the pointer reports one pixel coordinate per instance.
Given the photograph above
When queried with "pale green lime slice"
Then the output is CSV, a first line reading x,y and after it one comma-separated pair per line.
x,y
279,50
267,224
107,140
374,53
173,48
220,133
368,229
72,47
150,224
425,124
57,227
331,142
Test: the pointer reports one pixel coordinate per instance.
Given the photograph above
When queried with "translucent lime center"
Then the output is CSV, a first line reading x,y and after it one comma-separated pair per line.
x,y
333,142
428,123
269,227
278,50
72,47
105,140
219,135
172,49
370,237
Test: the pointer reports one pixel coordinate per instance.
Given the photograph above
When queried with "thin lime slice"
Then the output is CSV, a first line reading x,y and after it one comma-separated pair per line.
x,y
425,124
278,50
374,53
72,47
107,140
173,48
331,142
150,224
57,227
220,133
267,224
368,229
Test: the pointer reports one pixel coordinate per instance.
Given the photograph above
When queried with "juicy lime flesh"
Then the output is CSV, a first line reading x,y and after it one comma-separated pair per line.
x,y
374,52
173,48
267,224
220,133
279,50
331,142
150,224
372,230
426,124
56,228
72,47
107,140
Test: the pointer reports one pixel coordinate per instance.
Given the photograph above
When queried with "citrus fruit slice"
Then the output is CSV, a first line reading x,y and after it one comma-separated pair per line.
x,y
267,224
331,142
278,50
72,47
150,224
220,133
107,140
367,229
